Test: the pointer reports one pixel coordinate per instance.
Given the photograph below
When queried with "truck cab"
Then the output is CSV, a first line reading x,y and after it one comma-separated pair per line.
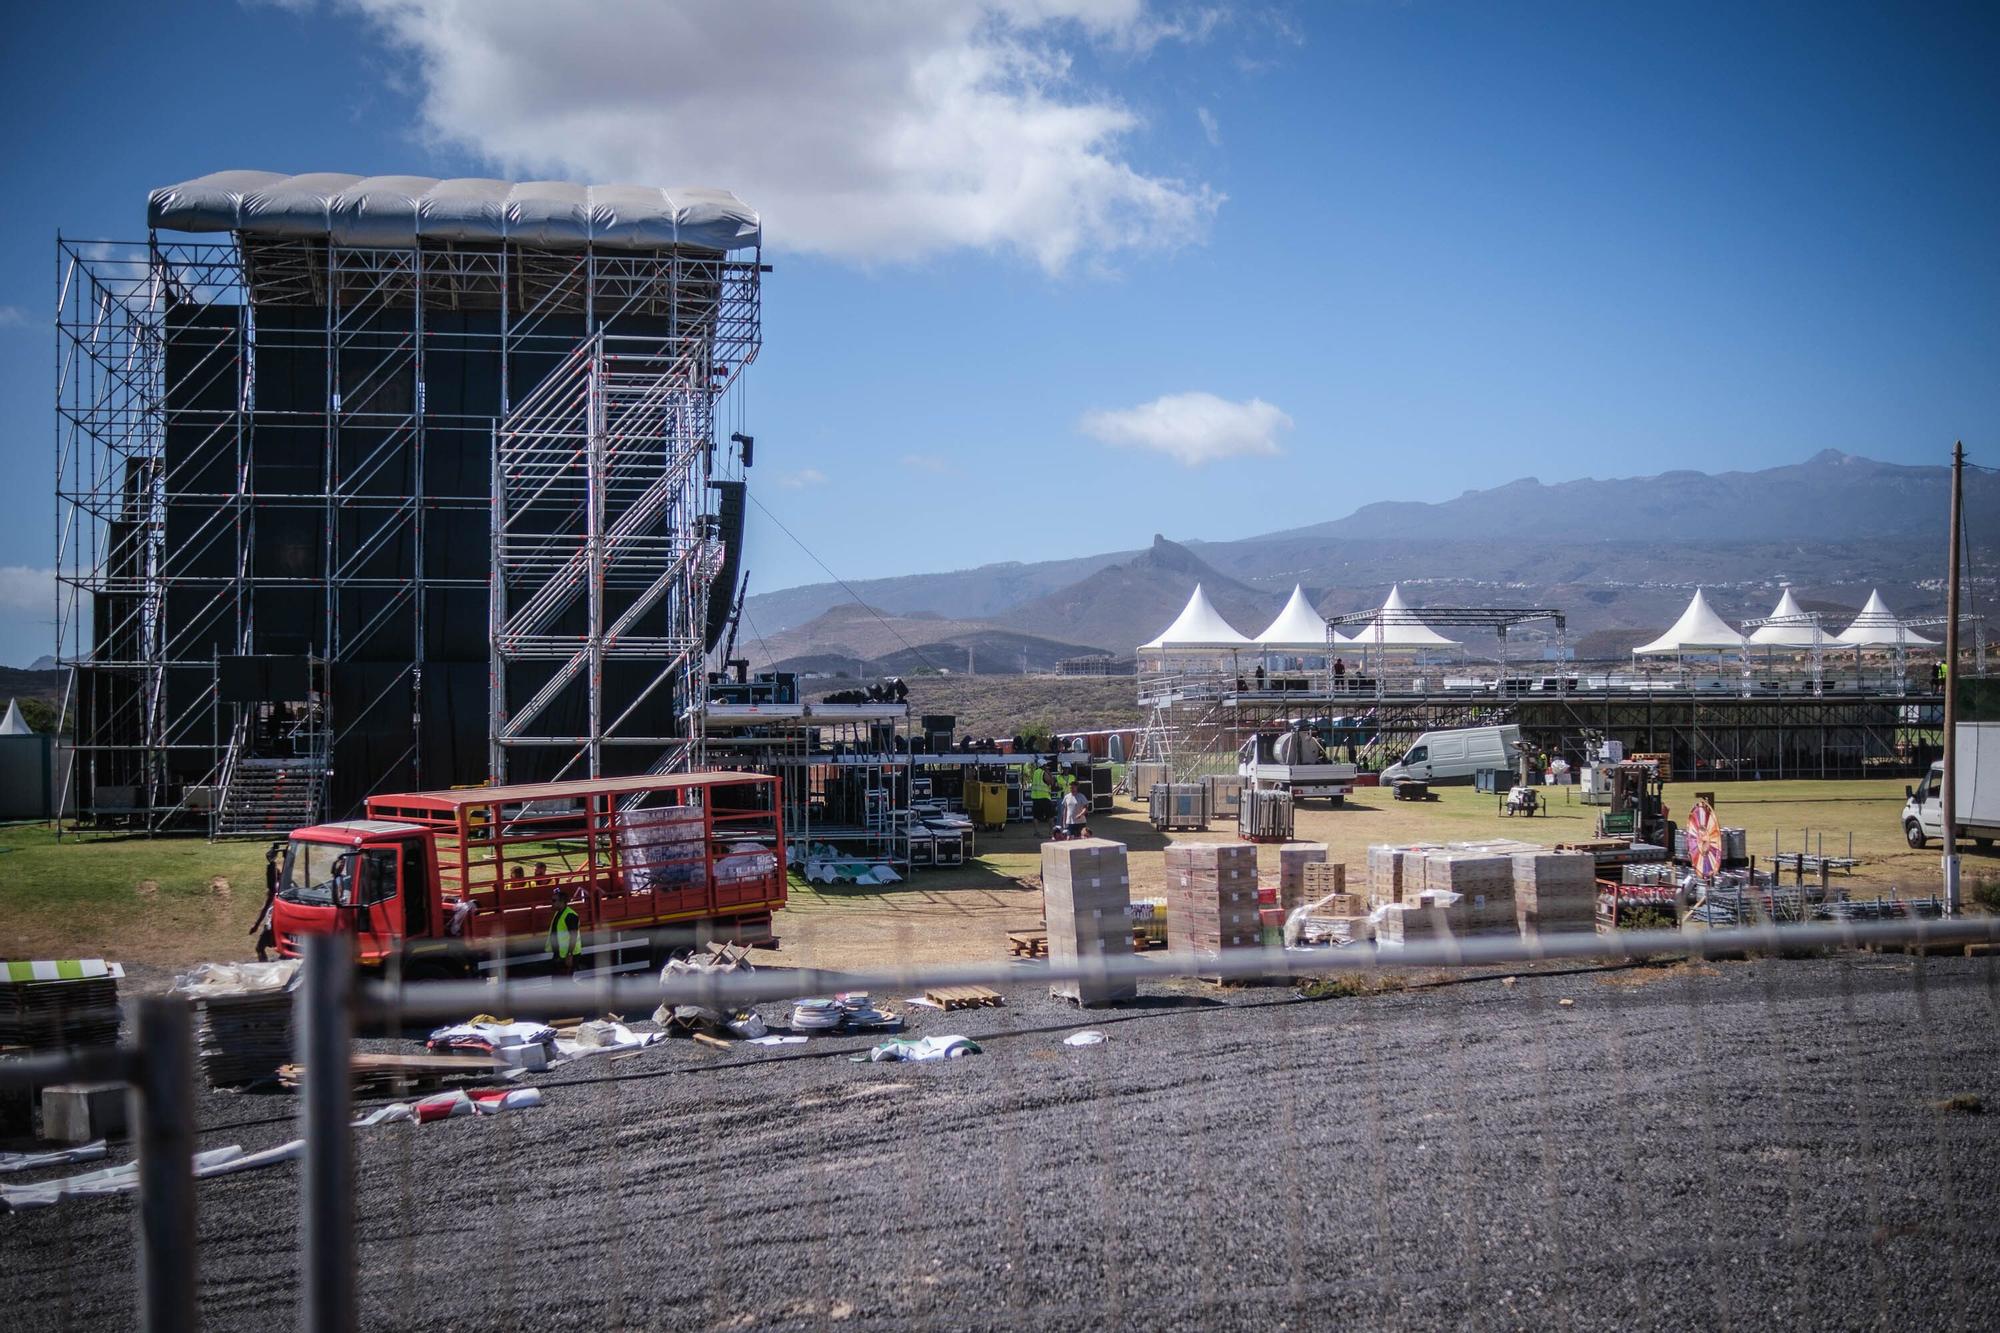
x,y
367,878
1978,811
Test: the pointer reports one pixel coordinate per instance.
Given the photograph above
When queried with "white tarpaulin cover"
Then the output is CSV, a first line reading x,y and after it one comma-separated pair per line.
x,y
1298,627
398,211
1699,630
1879,627
1397,628
1199,625
1787,636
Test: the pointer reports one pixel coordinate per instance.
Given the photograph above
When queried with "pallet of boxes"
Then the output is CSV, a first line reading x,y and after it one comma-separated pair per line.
x,y
1212,900
1086,899
1463,889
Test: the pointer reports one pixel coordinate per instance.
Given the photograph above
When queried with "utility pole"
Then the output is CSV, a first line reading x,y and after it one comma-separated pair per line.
x,y
1948,793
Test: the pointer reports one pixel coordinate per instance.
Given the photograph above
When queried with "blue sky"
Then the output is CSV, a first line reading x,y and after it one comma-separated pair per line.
x,y
1053,275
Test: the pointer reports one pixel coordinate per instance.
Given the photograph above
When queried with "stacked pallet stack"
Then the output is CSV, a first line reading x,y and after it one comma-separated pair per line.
x,y
1212,898
1086,899
1294,859
243,1017
54,1005
1555,892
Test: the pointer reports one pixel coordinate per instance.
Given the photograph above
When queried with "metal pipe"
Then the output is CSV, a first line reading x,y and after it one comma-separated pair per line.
x,y
445,999
162,1109
326,1218
1948,790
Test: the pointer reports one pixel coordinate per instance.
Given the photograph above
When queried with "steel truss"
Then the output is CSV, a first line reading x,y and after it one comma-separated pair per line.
x,y
373,321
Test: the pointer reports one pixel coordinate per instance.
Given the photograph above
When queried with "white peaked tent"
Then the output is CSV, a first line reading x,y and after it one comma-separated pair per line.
x,y
1397,629
1788,636
1699,630
1199,625
14,724
1298,628
1878,627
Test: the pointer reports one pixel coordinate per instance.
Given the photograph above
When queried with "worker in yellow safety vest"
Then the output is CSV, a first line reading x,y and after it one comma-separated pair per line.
x,y
565,933
1041,800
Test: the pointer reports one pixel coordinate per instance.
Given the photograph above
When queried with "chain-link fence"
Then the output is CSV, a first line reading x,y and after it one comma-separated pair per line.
x,y
1781,1124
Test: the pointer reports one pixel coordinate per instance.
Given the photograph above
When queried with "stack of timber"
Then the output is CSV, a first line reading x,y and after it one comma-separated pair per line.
x,y
54,1005
1086,900
1555,892
243,1018
1294,860
394,1075
1212,897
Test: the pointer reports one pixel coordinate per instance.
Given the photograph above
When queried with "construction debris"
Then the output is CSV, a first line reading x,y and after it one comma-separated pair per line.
x,y
923,1048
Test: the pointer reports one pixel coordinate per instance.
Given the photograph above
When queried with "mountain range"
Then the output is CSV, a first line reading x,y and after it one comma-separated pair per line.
x,y
1620,557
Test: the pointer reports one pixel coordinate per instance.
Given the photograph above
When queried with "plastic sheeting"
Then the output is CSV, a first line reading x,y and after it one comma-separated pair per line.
x,y
398,211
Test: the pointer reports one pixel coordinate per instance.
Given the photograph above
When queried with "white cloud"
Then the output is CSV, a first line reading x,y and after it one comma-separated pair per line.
x,y
1192,428
929,463
1208,126
12,317
884,132
23,588
802,479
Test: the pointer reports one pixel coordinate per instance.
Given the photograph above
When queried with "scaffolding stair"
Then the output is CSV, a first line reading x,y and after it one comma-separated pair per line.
x,y
266,797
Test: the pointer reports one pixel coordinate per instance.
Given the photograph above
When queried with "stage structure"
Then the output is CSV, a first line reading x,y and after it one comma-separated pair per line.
x,y
393,484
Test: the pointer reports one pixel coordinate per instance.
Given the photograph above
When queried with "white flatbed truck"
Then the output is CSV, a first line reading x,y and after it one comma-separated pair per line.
x,y
1297,763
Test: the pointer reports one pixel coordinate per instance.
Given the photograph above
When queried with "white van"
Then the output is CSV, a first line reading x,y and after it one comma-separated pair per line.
x,y
1444,756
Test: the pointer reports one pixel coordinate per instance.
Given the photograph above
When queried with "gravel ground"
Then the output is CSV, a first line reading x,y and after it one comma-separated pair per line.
x,y
1746,1144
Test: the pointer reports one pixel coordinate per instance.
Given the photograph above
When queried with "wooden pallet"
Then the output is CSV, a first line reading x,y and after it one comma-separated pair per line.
x,y
383,1074
965,997
1028,943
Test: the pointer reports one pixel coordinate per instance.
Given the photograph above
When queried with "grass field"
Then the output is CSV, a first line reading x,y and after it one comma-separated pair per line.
x,y
172,901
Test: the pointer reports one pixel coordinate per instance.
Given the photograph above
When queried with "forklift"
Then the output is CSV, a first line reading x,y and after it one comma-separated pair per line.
x,y
1637,807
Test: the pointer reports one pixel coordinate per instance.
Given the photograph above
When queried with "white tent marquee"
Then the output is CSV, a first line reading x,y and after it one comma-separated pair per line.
x,y
1699,630
1298,628
1397,627
1799,635
1879,627
13,724
1199,625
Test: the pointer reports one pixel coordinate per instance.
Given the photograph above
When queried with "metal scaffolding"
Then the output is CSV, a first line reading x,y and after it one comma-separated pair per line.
x,y
282,447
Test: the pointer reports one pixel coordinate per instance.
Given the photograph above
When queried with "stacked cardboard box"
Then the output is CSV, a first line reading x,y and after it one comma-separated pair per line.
x,y
1483,883
1388,867
1086,899
1212,897
1555,891
1293,859
1323,877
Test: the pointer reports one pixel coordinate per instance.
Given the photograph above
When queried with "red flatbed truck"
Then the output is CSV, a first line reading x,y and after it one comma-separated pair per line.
x,y
462,882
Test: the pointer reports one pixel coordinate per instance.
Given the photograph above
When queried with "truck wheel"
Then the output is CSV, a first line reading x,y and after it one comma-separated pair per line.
x,y
1335,802
1983,844
1913,833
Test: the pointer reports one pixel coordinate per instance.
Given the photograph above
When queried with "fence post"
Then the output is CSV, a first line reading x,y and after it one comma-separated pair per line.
x,y
163,1121
326,1222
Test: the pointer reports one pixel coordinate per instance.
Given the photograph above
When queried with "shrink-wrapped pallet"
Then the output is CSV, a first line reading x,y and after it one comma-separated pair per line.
x,y
1390,866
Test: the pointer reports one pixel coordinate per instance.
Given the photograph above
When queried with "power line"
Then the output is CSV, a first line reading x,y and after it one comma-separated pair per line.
x,y
849,590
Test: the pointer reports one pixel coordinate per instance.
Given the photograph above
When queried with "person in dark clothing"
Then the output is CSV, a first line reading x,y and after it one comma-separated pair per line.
x,y
266,938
